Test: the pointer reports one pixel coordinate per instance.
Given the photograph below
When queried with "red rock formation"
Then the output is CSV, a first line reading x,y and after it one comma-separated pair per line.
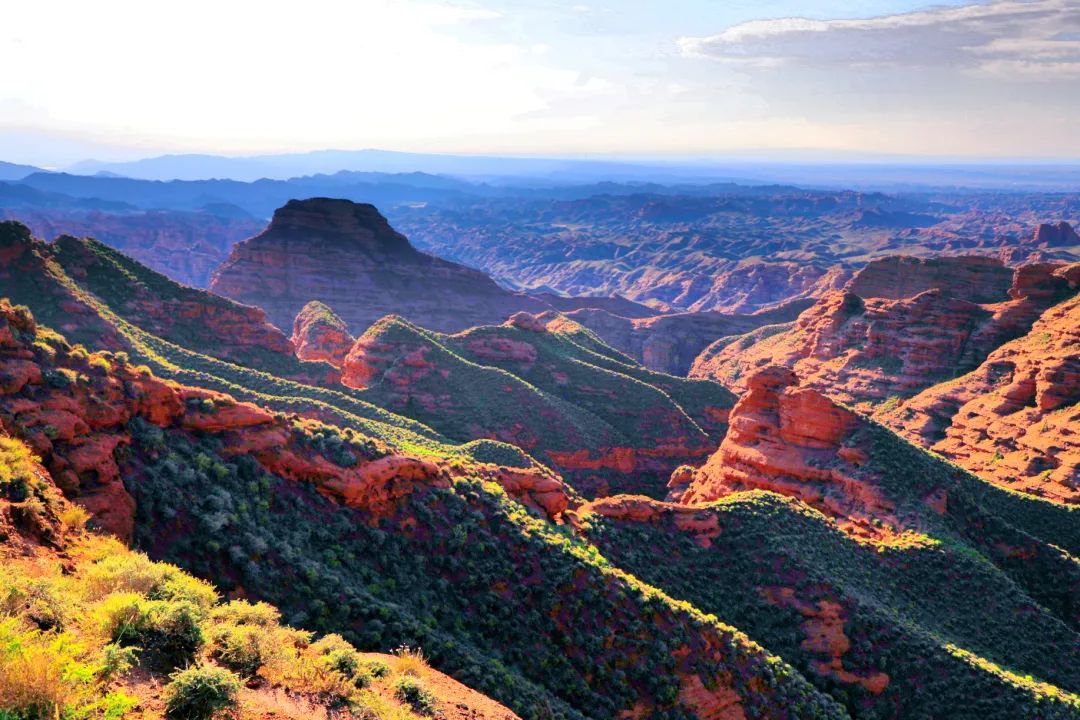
x,y
224,328
864,352
1014,420
670,343
527,321
1060,235
523,384
346,255
791,440
718,703
824,628
319,334
700,523
75,411
26,263
372,355
973,278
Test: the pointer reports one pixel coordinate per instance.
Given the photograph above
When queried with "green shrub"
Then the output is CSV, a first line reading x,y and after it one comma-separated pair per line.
x,y
342,661
239,647
158,581
412,691
115,660
199,692
169,628
241,612
377,669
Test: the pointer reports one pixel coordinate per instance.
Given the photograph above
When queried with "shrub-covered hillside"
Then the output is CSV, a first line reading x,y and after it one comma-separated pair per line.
x,y
608,424
351,534
92,629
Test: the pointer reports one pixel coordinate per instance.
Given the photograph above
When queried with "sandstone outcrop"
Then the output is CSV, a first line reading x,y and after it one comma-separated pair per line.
x,y
825,637
225,329
86,290
867,351
25,269
319,334
76,410
347,256
670,343
529,383
973,278
1014,420
1059,235
700,523
794,441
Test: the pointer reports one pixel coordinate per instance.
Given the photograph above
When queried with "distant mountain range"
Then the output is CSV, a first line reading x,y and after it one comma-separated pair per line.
x,y
291,165
11,171
880,174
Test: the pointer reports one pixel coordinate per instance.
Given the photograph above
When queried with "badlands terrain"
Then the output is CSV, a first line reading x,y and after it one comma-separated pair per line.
x,y
714,452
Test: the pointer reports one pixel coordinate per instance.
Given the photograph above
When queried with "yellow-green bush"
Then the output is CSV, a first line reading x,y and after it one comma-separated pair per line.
x,y
199,692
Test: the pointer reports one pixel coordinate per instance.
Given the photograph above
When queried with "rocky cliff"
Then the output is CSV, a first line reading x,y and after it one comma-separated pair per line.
x,y
670,343
972,278
867,350
346,255
603,421
795,441
319,334
1014,419
1059,235
282,509
76,409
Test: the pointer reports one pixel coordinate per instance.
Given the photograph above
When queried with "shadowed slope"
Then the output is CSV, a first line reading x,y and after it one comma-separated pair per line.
x,y
603,420
346,532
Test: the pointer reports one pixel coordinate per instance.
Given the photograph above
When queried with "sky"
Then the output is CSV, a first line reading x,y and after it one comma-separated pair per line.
x,y
773,79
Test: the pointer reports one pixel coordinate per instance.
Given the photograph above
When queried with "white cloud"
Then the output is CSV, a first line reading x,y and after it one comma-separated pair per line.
x,y
1038,39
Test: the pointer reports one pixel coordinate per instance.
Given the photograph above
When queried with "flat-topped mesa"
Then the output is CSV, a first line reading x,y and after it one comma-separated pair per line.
x,y
974,278
1059,235
794,441
346,255
332,220
319,334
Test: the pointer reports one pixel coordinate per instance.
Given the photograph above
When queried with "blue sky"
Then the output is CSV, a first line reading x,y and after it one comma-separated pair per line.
x,y
689,78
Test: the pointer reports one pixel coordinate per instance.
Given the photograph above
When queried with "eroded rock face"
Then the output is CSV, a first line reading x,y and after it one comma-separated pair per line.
x,y
1059,235
1015,419
226,329
24,259
700,523
864,351
823,625
670,343
76,410
973,278
794,441
319,334
347,256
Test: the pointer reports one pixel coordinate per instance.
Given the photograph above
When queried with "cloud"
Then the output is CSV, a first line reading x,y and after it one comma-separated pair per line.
x,y
1033,40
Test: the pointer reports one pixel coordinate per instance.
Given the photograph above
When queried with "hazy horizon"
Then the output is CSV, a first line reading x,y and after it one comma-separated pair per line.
x,y
958,81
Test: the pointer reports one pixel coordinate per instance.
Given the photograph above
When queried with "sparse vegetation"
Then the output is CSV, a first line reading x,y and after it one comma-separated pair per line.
x,y
200,692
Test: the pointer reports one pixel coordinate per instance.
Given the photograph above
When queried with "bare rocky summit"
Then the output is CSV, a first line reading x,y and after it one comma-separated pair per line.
x,y
346,255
